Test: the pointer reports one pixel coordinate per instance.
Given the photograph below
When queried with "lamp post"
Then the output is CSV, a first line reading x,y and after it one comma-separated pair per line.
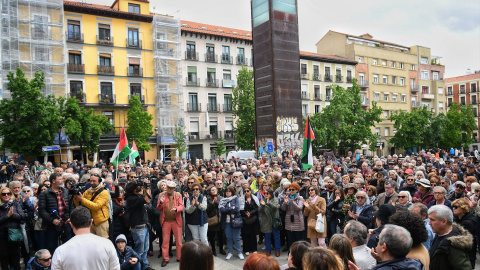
x,y
156,140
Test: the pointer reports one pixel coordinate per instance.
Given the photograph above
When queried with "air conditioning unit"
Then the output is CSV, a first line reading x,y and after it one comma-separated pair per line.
x,y
193,137
209,136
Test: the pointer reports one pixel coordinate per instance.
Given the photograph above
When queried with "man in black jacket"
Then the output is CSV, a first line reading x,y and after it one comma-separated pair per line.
x,y
55,212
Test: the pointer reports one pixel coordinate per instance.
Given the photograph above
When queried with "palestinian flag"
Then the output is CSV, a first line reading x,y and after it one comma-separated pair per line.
x,y
121,151
307,156
134,153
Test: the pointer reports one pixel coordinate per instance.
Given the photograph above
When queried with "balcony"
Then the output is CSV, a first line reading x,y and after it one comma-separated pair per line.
x,y
327,98
76,68
304,76
349,79
105,70
305,96
192,82
474,102
414,88
473,89
80,96
140,97
415,104
106,100
205,135
134,43
228,134
227,108
462,91
135,72
338,78
211,83
241,60
213,107
449,93
193,136
318,97
366,102
316,77
227,59
106,41
327,78
211,58
192,56
194,107
78,38
363,83
428,96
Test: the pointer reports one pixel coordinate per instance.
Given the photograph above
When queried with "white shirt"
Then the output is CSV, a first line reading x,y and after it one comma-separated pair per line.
x,y
363,257
85,252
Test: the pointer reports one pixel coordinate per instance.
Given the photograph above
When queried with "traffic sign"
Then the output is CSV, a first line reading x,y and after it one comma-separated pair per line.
x,y
50,148
270,145
380,144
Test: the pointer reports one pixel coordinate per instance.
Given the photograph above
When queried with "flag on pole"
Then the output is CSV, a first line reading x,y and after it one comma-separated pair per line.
x,y
162,158
207,119
134,153
307,156
121,151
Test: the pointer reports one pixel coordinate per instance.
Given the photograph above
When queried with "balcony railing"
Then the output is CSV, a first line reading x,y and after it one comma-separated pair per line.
x,y
304,76
134,43
338,78
228,134
462,91
327,78
105,70
75,38
211,58
213,107
135,72
212,135
415,104
363,83
327,98
211,83
192,56
318,97
108,41
366,102
106,99
76,68
316,77
305,96
80,97
474,102
227,107
195,82
241,60
140,97
414,88
206,135
349,79
227,59
194,107
449,93
473,90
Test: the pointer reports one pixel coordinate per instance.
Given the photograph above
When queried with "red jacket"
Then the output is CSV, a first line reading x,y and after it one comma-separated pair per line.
x,y
177,203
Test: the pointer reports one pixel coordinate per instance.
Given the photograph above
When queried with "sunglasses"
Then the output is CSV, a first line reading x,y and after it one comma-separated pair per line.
x,y
360,197
127,167
26,191
216,183
455,206
266,193
311,189
478,190
190,182
410,179
195,189
6,194
291,189
46,260
461,187
246,191
401,197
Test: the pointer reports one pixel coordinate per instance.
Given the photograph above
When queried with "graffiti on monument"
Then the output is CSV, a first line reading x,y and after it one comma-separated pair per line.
x,y
289,137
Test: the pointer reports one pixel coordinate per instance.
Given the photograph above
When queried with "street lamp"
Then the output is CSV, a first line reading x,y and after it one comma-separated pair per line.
x,y
156,140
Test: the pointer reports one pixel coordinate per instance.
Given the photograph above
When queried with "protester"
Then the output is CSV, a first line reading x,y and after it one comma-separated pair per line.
x,y
196,214
294,221
229,211
342,247
214,232
251,221
464,217
356,232
196,255
269,210
127,257
320,258
41,261
260,261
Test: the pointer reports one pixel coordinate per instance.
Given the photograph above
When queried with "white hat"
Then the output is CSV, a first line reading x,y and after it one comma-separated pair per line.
x,y
171,184
121,237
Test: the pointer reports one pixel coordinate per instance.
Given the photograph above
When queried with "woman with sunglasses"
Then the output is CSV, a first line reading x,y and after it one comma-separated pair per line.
x,y
294,219
372,194
11,216
404,199
269,210
251,224
196,215
463,216
315,205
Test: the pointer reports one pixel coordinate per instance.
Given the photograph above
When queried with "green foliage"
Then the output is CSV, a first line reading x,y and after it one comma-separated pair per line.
x,y
29,119
140,127
412,128
344,124
220,147
180,137
243,109
459,126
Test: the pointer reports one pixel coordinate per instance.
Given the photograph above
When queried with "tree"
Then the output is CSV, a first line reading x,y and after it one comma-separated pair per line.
x,y
220,147
140,126
344,124
180,138
459,126
30,120
243,109
412,128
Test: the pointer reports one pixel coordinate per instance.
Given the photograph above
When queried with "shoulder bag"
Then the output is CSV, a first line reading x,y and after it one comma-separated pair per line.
x,y
276,222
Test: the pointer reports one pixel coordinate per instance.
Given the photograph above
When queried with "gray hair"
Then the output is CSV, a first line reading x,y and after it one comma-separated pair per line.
x,y
15,183
398,240
34,185
442,212
95,171
444,191
358,231
420,172
160,183
359,179
367,200
39,253
68,177
422,207
406,193
391,183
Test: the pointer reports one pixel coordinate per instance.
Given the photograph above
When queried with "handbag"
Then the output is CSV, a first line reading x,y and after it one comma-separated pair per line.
x,y
251,219
320,224
276,222
312,223
236,222
212,221
15,235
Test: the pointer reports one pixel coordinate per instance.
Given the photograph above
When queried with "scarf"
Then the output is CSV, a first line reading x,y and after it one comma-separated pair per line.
x,y
292,197
313,199
223,202
119,201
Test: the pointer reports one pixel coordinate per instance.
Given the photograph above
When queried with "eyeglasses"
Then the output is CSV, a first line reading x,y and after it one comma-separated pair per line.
x,y
195,189
246,191
190,182
437,193
461,187
46,260
291,189
6,194
410,179
25,191
455,206
311,189
401,197
360,197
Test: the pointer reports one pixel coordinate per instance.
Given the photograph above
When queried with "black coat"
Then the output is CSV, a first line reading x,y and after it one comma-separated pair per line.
x,y
13,221
48,201
334,210
117,224
365,216
212,210
251,207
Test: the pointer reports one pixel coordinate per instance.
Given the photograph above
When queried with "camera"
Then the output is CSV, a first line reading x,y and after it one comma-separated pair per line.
x,y
142,183
78,188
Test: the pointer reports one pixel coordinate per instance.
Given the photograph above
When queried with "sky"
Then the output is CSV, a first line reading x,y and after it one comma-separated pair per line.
x,y
450,28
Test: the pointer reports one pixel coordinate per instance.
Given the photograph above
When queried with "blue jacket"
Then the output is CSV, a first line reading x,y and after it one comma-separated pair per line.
x,y
227,210
446,203
365,216
124,258
400,264
34,265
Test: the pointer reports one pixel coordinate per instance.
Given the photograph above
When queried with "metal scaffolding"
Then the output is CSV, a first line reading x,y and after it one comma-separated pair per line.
x,y
168,75
32,38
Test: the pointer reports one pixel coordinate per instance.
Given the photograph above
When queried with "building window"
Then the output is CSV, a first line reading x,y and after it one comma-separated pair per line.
x,y
40,24
449,91
374,61
211,77
134,66
440,90
473,88
316,91
191,51
435,75
401,65
375,78
105,60
424,60
349,75
384,62
41,54
412,82
76,90
462,100
241,56
106,91
404,98
412,67
318,108
227,74
328,93
135,89
385,79
360,59
303,69
377,131
133,39
194,129
104,33
394,97
227,103
449,102
74,58
305,109
385,114
473,99
387,132
192,102
462,89
229,127
109,115
212,103
402,81
392,63
376,96
192,76
133,8
210,55
73,28
361,78
385,97
316,72
327,74
425,75
226,59
425,90
394,79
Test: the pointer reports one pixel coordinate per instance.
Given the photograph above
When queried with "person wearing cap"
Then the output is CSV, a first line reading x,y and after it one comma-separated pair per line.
x,y
471,172
170,203
459,192
382,215
127,257
361,210
424,193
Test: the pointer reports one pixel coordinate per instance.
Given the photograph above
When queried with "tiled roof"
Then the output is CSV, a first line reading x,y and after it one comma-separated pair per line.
x,y
68,5
468,77
145,1
215,30
327,57
375,40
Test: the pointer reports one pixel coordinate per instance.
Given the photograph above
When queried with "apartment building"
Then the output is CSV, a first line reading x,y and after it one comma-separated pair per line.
x,y
318,72
212,57
464,90
389,74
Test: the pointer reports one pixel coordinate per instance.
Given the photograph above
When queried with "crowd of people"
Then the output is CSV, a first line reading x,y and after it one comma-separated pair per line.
x,y
353,212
